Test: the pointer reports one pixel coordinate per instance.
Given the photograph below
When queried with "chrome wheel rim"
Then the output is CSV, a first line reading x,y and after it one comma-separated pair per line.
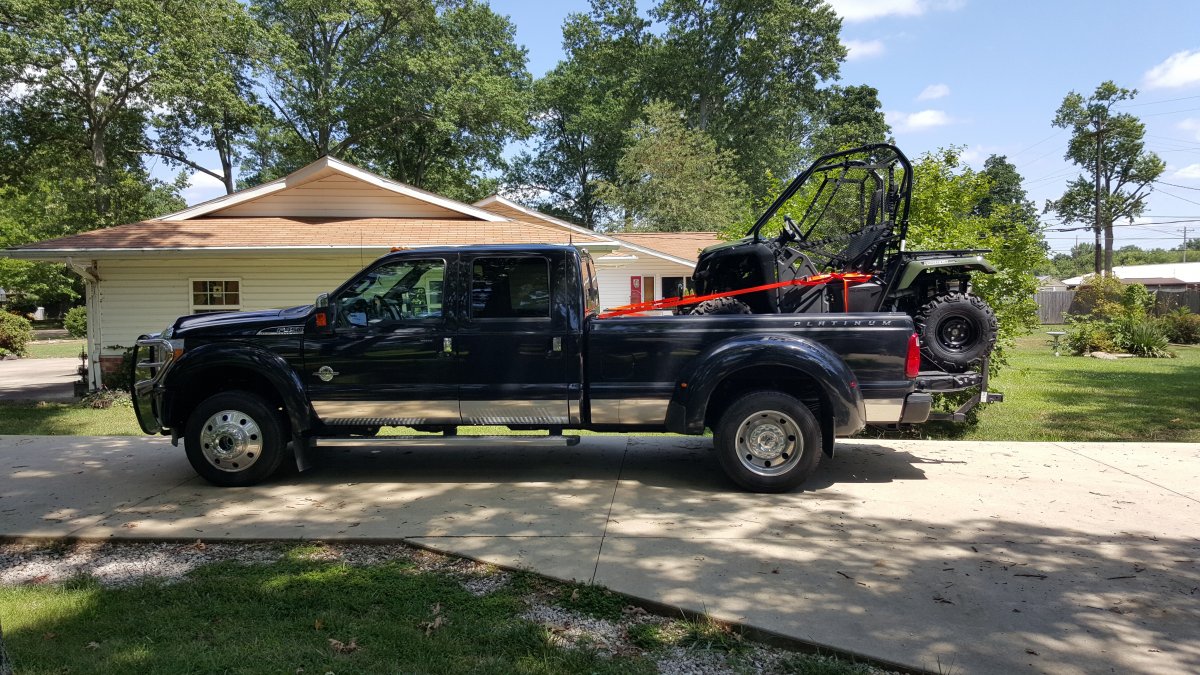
x,y
769,443
231,440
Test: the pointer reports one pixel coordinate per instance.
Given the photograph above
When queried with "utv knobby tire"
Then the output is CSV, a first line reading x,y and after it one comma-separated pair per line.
x,y
957,331
721,306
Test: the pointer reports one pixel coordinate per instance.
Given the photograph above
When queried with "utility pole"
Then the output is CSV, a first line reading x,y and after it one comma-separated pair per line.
x,y
1099,261
1185,243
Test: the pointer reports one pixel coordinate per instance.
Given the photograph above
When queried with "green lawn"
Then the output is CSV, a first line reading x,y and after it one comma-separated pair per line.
x,y
52,349
1047,398
308,613
1078,398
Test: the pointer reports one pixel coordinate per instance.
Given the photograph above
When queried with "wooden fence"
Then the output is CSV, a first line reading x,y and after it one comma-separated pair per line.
x,y
1052,305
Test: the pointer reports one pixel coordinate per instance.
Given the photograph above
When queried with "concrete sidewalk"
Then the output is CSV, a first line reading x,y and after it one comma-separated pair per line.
x,y
952,556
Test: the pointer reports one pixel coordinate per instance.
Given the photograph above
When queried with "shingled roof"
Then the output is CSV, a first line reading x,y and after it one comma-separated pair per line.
x,y
223,234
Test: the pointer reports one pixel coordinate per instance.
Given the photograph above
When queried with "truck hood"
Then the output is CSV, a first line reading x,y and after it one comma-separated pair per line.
x,y
239,323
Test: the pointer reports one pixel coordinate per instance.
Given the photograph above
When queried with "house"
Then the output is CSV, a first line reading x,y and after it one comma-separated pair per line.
x,y
282,243
1049,283
1161,277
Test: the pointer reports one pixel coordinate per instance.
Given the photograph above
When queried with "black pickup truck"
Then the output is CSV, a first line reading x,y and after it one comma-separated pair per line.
x,y
437,338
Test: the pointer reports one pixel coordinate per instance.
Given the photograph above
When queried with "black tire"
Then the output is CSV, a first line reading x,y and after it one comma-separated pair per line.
x,y
721,306
957,330
784,431
235,439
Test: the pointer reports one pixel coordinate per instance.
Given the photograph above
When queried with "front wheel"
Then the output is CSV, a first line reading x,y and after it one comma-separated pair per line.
x,y
234,439
768,442
957,331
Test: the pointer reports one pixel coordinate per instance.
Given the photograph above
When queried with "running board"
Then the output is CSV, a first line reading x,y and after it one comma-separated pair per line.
x,y
394,442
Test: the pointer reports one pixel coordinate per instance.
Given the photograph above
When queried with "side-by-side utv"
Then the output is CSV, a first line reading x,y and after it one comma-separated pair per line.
x,y
853,218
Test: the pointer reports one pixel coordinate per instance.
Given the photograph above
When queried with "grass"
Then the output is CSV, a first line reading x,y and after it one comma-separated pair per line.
x,y
284,616
1078,398
53,349
1047,398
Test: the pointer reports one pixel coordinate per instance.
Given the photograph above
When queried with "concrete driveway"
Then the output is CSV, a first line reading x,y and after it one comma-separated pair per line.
x,y
38,379
948,556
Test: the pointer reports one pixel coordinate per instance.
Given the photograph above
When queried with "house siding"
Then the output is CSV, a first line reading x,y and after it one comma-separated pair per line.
x,y
614,280
145,295
338,196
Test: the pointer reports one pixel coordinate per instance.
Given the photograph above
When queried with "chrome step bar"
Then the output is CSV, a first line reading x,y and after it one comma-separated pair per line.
x,y
394,442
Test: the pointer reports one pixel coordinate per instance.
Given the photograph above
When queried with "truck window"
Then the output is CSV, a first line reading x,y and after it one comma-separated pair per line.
x,y
510,288
591,287
395,291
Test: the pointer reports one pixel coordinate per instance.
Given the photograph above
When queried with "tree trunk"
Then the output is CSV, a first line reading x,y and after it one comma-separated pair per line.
x,y
1098,265
1108,248
103,179
224,145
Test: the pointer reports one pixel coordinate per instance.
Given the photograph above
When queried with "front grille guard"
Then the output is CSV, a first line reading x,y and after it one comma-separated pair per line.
x,y
160,355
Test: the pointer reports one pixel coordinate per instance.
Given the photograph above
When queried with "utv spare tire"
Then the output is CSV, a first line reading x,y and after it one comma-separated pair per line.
x,y
957,330
721,306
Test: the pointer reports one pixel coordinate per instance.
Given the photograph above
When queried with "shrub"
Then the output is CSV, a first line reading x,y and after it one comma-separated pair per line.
x,y
1099,298
1143,337
15,334
1182,327
119,380
75,322
1085,335
1136,300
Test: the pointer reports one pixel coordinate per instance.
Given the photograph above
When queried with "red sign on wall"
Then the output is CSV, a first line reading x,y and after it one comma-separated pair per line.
x,y
635,289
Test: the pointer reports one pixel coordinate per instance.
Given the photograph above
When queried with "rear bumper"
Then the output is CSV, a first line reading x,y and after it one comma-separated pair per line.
x,y
908,409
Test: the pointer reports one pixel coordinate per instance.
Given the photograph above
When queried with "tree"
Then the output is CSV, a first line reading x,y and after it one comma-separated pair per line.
x,y
427,94
673,179
1110,147
582,111
849,117
92,66
448,105
746,73
945,215
207,99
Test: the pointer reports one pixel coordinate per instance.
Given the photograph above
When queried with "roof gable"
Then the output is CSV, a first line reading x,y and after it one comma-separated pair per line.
x,y
332,188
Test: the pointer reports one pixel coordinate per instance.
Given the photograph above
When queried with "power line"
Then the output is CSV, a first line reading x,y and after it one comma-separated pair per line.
x,y
1172,112
1166,100
1185,187
1178,197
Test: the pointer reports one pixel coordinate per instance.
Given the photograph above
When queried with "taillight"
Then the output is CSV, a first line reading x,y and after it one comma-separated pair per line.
x,y
912,362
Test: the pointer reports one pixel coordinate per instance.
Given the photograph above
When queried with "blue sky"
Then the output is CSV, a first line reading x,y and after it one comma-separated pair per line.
x,y
988,76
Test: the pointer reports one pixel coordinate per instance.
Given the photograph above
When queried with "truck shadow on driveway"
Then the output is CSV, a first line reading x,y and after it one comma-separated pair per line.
x,y
654,461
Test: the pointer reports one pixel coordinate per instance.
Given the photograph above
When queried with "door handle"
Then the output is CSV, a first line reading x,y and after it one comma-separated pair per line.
x,y
447,345
556,344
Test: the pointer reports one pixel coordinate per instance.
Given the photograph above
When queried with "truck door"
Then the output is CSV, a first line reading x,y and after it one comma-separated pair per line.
x,y
387,360
515,349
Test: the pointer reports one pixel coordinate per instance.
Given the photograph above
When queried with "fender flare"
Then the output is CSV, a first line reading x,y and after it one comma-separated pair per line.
x,y
198,361
694,390
916,268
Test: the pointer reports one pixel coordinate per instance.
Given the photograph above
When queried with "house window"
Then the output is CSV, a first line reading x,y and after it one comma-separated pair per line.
x,y
216,295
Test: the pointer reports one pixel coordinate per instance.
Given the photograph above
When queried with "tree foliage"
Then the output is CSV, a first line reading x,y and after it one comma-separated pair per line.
x,y
1126,169
946,214
747,72
674,179
583,109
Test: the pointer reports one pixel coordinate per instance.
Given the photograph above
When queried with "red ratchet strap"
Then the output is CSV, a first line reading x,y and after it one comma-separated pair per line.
x,y
847,278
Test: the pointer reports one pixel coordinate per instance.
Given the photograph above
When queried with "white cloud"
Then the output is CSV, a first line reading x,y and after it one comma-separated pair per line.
x,y
202,187
934,91
868,10
975,155
918,121
1190,172
1181,69
1191,124
863,49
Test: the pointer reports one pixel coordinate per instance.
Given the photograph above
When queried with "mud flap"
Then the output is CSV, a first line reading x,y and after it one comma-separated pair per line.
x,y
304,452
